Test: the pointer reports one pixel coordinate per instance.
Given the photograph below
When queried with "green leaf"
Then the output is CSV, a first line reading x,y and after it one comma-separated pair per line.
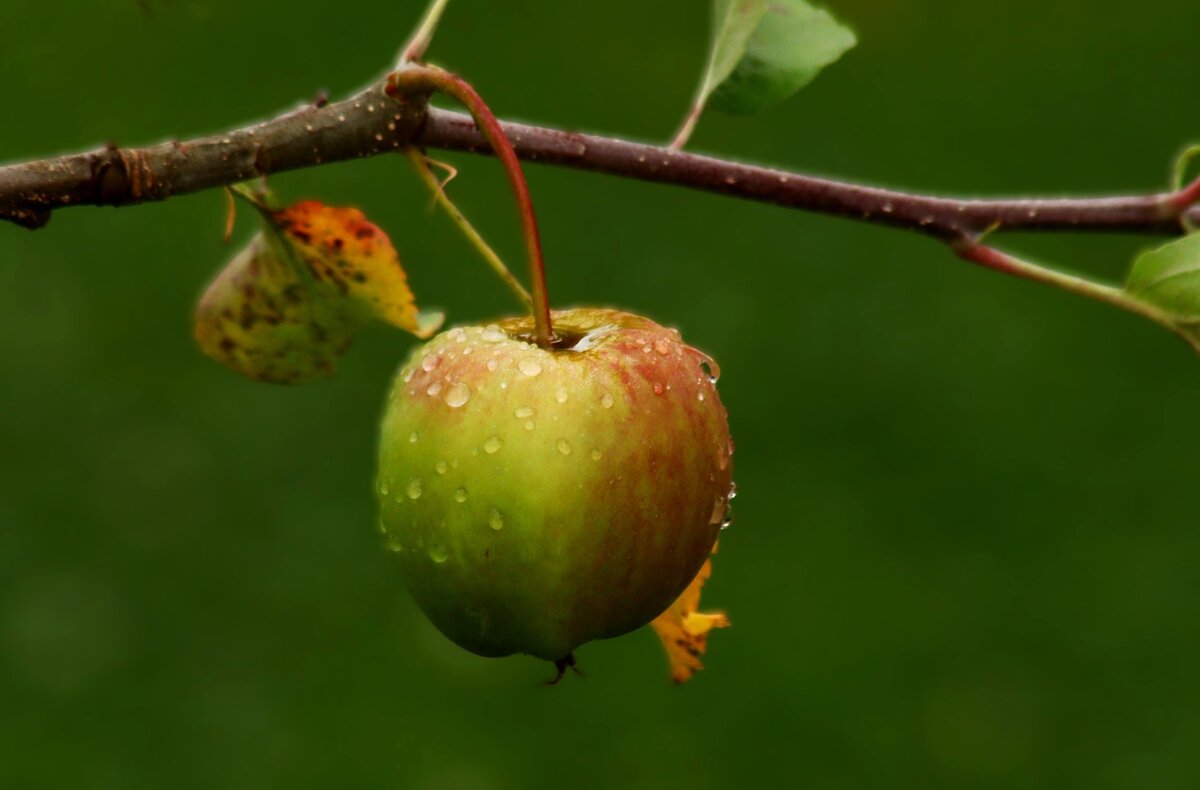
x,y
734,22
1168,279
791,43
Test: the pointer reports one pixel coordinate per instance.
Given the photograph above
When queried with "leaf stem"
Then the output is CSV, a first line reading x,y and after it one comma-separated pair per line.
x,y
992,258
423,35
1184,199
421,163
423,79
688,126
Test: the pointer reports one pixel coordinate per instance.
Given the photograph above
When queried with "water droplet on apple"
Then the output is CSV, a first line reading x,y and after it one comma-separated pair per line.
x,y
597,453
492,334
408,374
414,488
662,346
383,487
658,388
524,412
564,447
430,362
529,366
460,495
458,394
504,385
496,519
468,350
709,366
438,553
412,438
606,401
493,444
700,395
441,467
732,490
591,338
560,395
433,389
392,542
718,511
492,364
529,425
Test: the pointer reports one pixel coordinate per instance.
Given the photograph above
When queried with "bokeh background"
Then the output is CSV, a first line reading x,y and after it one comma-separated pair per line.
x,y
965,552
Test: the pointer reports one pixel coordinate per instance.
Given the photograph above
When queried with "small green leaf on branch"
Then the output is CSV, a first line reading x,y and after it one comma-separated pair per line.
x,y
734,22
1168,279
791,44
762,52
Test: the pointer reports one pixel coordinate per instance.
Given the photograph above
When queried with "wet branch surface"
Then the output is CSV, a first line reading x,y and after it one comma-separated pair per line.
x,y
372,123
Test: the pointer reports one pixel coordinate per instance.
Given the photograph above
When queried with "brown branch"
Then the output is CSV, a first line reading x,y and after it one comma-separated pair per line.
x,y
366,124
372,123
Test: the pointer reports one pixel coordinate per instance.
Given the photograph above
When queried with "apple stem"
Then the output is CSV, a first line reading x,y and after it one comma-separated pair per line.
x,y
417,79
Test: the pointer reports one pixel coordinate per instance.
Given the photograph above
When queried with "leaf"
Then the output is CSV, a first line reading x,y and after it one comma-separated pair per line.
x,y
342,250
684,630
790,45
734,22
1168,278
262,319
288,306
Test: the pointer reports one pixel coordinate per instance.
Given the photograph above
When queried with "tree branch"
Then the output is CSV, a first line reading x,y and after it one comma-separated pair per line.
x,y
372,123
366,124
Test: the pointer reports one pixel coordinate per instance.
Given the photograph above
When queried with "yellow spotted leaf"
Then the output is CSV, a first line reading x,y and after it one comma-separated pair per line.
x,y
260,318
684,630
343,251
288,305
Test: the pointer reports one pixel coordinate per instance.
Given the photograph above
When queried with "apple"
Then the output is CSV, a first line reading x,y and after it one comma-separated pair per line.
x,y
540,498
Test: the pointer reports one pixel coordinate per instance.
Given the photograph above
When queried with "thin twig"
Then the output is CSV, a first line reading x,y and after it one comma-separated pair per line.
x,y
421,164
999,261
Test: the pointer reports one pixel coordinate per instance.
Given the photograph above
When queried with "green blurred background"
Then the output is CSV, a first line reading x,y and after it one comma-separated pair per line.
x,y
966,543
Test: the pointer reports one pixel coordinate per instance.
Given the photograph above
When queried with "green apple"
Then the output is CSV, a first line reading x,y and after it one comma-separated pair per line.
x,y
542,498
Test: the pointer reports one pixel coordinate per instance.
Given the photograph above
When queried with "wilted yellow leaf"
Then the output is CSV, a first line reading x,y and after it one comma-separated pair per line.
x,y
342,250
287,306
684,630
260,318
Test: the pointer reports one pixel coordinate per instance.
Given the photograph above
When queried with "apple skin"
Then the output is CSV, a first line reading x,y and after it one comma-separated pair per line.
x,y
539,499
